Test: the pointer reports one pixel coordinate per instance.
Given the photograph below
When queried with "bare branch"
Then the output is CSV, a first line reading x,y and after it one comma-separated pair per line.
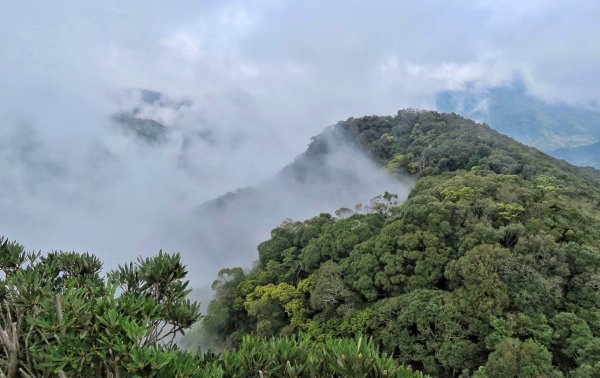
x,y
10,341
59,314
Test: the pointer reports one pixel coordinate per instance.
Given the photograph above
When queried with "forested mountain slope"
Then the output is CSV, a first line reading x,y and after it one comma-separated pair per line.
x,y
491,267
330,174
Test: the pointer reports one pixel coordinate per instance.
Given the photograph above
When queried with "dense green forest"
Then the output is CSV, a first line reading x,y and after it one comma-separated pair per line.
x,y
490,268
59,317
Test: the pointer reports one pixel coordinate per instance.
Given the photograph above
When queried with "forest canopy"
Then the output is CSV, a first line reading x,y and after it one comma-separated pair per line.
x,y
491,267
59,317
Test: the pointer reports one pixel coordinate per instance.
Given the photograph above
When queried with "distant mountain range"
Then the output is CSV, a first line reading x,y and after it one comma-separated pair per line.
x,y
564,131
588,155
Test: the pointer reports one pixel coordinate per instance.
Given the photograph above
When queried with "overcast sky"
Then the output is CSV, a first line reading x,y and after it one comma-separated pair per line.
x,y
262,78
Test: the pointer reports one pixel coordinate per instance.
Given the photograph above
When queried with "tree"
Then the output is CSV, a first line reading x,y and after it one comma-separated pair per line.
x,y
483,287
58,316
514,358
495,242
330,290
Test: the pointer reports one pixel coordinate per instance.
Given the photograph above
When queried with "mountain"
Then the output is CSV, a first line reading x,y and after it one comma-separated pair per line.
x,y
146,129
490,267
329,175
588,155
146,114
512,111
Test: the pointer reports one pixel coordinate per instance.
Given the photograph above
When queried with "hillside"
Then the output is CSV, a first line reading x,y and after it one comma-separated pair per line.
x,y
330,174
60,316
491,267
588,155
511,110
145,114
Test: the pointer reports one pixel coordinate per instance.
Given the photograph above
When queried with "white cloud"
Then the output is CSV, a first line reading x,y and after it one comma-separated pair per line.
x,y
263,76
184,44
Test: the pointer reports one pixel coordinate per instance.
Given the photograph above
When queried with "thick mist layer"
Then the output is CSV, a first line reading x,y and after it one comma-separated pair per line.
x,y
74,178
102,184
330,175
248,83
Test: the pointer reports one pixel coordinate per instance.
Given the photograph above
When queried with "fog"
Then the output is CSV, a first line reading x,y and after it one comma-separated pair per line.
x,y
121,194
245,86
332,174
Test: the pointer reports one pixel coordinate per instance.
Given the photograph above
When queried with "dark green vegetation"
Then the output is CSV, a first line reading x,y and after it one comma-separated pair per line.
x,y
137,119
491,267
548,126
146,129
58,317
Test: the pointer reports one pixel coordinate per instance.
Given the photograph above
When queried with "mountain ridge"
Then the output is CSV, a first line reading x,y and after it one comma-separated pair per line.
x,y
329,175
495,248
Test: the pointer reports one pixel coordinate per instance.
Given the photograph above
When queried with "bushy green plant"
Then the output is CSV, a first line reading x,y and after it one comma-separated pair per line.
x,y
59,316
299,357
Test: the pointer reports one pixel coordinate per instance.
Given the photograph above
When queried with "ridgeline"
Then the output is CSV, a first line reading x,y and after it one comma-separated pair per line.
x,y
491,267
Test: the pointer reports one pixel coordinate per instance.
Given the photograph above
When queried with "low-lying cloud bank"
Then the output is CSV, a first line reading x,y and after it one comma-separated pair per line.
x,y
247,84
120,194
330,175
